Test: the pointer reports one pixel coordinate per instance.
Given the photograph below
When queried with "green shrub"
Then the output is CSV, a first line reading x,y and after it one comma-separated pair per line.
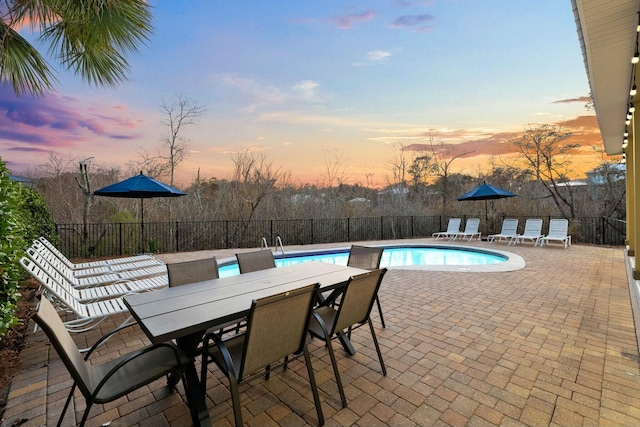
x,y
23,217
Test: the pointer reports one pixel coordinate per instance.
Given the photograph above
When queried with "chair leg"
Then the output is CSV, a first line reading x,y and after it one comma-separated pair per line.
x,y
380,311
336,372
85,415
314,387
235,399
375,341
66,404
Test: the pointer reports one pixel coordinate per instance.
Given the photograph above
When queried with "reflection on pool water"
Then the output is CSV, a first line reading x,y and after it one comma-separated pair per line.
x,y
391,257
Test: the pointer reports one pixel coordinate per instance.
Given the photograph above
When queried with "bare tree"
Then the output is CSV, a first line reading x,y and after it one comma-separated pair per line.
x,y
442,157
398,165
544,154
335,168
84,182
179,112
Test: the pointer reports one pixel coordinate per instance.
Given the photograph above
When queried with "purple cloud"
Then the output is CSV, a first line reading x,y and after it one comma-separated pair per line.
x,y
57,121
416,23
29,150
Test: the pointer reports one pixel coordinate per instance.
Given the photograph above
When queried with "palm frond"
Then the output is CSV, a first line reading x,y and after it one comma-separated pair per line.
x,y
93,37
21,65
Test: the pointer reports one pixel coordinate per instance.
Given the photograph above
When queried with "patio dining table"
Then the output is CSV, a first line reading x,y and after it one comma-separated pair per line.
x,y
184,313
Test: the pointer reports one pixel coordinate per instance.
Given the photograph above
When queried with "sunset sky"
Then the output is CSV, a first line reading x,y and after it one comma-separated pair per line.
x,y
305,80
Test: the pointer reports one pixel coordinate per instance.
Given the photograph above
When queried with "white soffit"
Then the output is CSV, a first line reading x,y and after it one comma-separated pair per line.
x,y
607,32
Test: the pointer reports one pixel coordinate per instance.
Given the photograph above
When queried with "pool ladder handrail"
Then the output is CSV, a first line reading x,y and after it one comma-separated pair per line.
x,y
265,245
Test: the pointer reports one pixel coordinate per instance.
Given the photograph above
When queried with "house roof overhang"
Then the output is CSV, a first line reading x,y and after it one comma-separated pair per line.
x,y
608,37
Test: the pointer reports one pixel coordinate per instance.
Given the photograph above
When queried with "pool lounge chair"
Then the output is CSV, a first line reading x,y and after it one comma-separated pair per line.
x,y
47,260
87,316
97,267
453,228
97,293
508,232
470,230
532,231
558,231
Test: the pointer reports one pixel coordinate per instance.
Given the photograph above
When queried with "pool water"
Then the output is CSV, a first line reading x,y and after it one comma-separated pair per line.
x,y
391,257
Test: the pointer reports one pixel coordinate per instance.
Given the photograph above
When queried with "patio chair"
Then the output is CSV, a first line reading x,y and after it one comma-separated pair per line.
x,y
112,262
98,293
470,230
106,382
277,328
453,227
255,261
508,232
532,231
199,270
367,258
47,261
87,316
558,231
354,311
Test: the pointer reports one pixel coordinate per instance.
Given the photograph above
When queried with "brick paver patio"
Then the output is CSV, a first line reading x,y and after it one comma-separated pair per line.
x,y
552,344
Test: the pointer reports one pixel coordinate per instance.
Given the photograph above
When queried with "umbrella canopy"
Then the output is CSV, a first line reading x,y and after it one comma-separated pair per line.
x,y
139,187
486,192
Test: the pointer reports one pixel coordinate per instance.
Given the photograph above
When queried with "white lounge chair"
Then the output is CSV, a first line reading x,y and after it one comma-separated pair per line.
x,y
509,230
558,232
107,268
470,230
94,264
453,228
47,260
97,293
532,231
87,316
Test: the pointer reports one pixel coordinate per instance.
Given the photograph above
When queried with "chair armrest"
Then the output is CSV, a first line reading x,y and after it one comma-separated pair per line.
x,y
224,352
134,355
106,337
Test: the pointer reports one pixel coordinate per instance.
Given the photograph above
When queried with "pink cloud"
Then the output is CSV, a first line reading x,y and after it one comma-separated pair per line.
x,y
348,21
52,121
585,130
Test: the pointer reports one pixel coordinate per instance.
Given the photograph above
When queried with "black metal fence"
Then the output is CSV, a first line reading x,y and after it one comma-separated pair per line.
x,y
113,239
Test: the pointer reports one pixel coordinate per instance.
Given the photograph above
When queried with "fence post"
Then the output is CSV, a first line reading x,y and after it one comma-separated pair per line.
x,y
120,238
176,234
312,226
348,229
412,234
271,232
381,227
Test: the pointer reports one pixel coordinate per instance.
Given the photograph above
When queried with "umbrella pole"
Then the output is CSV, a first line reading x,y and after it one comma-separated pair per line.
x,y
486,214
142,224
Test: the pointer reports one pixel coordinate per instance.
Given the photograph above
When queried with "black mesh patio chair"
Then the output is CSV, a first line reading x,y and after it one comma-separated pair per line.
x,y
186,272
367,258
102,383
354,311
255,261
199,270
277,327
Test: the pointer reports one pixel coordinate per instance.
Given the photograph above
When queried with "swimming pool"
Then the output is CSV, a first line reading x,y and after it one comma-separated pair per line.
x,y
413,257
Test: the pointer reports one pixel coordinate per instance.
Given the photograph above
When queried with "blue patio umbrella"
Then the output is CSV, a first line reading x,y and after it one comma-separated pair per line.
x,y
486,192
139,187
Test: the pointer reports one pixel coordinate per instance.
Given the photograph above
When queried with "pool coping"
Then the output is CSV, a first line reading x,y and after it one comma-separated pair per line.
x,y
513,261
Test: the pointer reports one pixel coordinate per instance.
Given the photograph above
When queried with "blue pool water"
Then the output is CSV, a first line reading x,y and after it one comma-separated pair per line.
x,y
391,257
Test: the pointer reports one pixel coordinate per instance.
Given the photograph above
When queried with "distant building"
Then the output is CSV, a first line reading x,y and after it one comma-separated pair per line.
x,y
607,173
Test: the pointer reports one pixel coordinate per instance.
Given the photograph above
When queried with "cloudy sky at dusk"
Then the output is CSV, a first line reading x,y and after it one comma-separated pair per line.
x,y
302,80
